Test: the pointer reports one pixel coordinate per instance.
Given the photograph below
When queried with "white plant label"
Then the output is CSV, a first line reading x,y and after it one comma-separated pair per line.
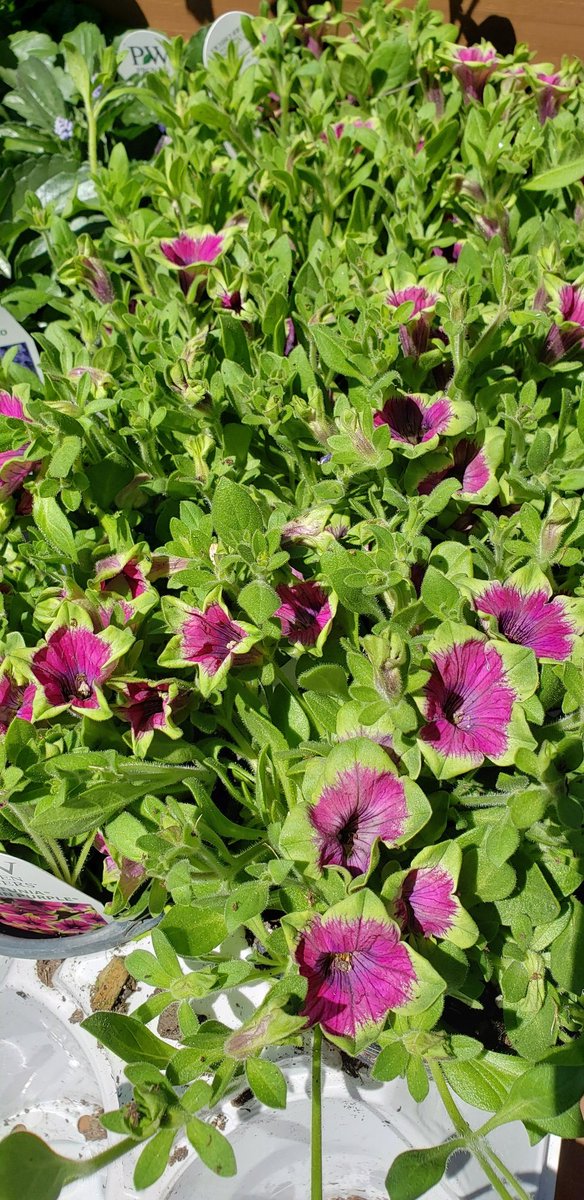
x,y
12,334
32,900
224,30
144,50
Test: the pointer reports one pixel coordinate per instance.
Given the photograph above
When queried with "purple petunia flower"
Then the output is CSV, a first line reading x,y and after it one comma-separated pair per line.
x,y
63,129
468,703
291,338
15,701
531,619
473,67
469,466
189,252
128,876
54,918
360,806
123,581
357,970
210,637
414,334
426,904
561,341
304,612
232,301
13,473
148,706
412,421
70,666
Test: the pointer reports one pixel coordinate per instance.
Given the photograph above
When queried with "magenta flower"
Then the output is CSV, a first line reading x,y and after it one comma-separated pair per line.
x,y
13,472
49,917
304,612
412,421
531,619
468,703
561,341
186,251
70,667
469,466
210,637
350,814
473,67
414,334
122,581
426,903
149,706
15,701
128,877
357,970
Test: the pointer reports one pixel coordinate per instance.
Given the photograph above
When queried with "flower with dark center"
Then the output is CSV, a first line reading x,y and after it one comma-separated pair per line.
x,y
411,420
532,619
468,703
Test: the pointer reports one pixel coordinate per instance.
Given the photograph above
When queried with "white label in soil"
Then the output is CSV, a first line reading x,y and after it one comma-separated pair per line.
x,y
144,50
12,334
33,901
224,30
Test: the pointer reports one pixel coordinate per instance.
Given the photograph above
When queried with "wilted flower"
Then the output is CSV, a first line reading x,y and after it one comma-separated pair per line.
x,y
531,619
71,667
360,806
550,93
414,334
411,420
468,702
63,128
98,279
357,970
473,67
291,338
53,918
128,876
12,472
469,466
561,341
426,903
232,301
304,612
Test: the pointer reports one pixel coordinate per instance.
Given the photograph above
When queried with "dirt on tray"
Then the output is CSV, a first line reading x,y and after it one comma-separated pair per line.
x,y
178,1155
92,1128
168,1026
46,969
112,988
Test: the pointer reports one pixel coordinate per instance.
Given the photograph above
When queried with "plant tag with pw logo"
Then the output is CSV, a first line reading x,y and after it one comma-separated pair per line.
x,y
144,50
226,29
12,334
33,902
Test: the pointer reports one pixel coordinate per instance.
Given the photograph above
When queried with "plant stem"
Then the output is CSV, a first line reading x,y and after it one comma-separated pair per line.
x,y
474,1140
90,1165
507,1174
91,136
496,1183
79,865
447,1099
316,1117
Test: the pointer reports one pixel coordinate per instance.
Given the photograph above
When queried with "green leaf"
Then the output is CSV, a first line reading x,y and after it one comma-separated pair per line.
x,y
439,595
266,1082
245,902
153,1159
144,966
64,457
330,347
259,601
556,177
213,1149
29,1168
54,526
235,515
191,931
567,954
128,1038
415,1171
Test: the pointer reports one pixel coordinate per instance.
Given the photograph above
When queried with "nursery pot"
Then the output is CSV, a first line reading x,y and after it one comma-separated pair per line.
x,y
366,1124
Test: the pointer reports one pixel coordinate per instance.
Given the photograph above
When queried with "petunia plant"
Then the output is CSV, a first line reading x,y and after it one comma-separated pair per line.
x,y
291,596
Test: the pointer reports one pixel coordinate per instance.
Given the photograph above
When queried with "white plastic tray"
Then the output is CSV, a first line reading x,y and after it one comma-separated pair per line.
x,y
54,1073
